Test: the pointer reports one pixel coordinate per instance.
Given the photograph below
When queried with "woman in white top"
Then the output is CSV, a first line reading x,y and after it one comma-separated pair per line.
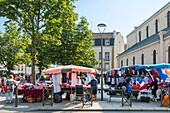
x,y
10,89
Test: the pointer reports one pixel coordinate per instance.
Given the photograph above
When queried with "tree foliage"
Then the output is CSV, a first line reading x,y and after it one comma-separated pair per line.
x,y
76,46
13,46
55,36
37,17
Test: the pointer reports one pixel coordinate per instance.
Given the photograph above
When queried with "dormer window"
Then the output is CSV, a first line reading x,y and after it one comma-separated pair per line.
x,y
168,19
139,36
156,26
147,31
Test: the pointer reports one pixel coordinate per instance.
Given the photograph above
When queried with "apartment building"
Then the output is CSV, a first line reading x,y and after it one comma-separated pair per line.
x,y
113,44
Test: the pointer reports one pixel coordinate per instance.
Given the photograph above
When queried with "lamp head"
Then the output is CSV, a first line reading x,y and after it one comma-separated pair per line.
x,y
101,25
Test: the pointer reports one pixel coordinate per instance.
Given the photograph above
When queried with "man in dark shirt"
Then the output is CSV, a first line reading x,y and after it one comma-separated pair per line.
x,y
93,84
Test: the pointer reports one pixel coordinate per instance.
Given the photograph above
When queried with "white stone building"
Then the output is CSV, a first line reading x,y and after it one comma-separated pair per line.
x,y
149,43
113,44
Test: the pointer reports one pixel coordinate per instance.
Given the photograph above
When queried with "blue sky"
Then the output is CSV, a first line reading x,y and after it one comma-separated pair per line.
x,y
119,15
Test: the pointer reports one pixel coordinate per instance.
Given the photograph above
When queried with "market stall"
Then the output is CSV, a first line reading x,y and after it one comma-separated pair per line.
x,y
161,71
65,78
139,80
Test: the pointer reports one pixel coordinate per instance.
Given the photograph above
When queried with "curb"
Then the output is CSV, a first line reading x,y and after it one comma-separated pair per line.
x,y
123,109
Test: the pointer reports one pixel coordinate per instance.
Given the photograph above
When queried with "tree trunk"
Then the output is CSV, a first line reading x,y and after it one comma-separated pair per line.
x,y
33,59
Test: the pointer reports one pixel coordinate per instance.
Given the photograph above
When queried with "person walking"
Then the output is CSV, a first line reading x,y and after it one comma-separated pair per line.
x,y
93,84
154,87
10,89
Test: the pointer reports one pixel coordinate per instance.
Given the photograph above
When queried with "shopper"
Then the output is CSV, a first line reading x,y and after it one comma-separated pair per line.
x,y
154,87
93,84
10,89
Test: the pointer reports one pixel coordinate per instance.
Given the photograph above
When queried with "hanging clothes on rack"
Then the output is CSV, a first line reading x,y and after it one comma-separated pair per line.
x,y
88,77
56,83
73,79
59,78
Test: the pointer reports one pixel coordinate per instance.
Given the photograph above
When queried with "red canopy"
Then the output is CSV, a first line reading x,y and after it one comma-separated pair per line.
x,y
68,68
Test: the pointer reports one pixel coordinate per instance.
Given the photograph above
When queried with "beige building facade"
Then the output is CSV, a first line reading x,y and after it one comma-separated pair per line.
x,y
113,44
149,43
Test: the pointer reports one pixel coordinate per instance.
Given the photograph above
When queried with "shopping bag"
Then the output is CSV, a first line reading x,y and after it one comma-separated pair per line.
x,y
4,89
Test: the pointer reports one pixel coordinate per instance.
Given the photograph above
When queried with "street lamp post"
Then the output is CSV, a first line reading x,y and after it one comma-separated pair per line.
x,y
101,28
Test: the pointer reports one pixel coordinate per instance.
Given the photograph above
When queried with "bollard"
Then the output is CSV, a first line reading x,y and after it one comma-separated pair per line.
x,y
52,96
16,96
43,96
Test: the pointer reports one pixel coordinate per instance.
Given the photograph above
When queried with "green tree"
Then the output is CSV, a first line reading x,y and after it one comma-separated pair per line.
x,y
85,53
13,47
76,46
37,17
45,52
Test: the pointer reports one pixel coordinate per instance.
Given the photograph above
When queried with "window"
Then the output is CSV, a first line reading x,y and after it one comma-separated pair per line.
x,y
107,56
154,57
139,36
100,55
126,62
142,62
169,54
107,42
121,63
147,32
168,19
133,60
156,26
97,42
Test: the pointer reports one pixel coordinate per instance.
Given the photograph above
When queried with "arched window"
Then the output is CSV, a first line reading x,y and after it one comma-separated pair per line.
x,y
133,60
156,26
126,62
139,36
168,19
147,31
142,62
121,63
154,57
169,54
